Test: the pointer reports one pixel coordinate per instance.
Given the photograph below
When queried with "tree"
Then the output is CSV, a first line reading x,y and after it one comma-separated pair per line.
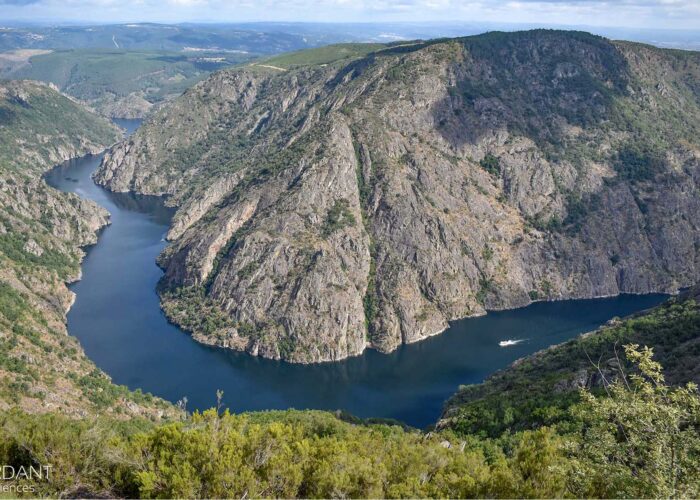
x,y
643,441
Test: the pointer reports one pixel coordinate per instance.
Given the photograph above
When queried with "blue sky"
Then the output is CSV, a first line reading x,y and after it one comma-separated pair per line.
x,y
683,14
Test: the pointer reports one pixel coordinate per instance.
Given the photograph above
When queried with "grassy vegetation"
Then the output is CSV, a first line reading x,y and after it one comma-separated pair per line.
x,y
641,441
343,52
639,162
12,304
13,246
90,74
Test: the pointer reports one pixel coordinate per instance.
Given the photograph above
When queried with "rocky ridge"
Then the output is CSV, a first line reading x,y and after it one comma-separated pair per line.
x,y
324,209
42,368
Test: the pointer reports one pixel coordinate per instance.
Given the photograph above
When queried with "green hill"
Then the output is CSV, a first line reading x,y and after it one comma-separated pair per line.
x,y
39,127
338,53
540,389
123,83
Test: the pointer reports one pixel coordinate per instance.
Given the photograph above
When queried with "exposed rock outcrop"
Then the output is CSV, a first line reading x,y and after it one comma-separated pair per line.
x,y
329,208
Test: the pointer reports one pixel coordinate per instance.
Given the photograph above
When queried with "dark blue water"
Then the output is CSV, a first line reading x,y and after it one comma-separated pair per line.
x,y
118,321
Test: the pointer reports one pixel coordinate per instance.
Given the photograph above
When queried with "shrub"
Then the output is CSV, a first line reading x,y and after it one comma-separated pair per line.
x,y
339,216
638,162
491,164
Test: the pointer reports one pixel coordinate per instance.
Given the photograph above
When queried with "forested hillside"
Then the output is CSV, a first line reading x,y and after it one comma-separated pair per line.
x,y
42,368
540,389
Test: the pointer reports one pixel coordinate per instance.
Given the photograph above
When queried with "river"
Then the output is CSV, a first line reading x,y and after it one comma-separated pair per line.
x,y
117,318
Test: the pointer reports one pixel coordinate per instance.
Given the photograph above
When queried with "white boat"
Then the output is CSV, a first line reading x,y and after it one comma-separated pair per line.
x,y
508,343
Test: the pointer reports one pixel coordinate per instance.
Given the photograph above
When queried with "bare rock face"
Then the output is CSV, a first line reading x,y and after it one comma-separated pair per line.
x,y
330,208
32,247
130,106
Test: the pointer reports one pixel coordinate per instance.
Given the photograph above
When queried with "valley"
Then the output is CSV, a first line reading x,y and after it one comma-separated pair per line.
x,y
118,321
126,71
473,259
42,368
118,83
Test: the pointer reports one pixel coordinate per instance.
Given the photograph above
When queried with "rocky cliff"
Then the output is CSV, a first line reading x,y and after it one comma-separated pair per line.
x,y
365,202
42,368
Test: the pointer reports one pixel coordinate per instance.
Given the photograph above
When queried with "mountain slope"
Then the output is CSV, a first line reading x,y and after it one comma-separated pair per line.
x,y
327,208
118,83
540,389
42,368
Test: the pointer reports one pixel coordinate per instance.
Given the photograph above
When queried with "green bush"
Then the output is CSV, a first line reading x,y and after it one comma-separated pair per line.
x,y
638,162
491,164
12,304
339,216
641,440
273,455
539,391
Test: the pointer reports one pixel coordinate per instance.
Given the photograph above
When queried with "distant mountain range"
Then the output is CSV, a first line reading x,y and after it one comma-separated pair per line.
x,y
270,38
125,70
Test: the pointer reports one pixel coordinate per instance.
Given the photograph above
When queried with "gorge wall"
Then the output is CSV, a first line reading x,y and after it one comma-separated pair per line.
x,y
365,202
42,230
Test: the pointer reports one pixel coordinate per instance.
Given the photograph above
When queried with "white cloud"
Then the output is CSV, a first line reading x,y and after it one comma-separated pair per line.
x,y
188,3
635,13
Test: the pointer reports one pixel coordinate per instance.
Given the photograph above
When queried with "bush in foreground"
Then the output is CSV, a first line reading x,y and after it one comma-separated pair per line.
x,y
640,440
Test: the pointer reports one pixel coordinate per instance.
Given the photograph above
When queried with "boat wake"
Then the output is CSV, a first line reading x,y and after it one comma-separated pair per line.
x,y
510,342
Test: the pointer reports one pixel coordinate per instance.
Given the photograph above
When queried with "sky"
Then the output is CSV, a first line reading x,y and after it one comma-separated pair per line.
x,y
664,14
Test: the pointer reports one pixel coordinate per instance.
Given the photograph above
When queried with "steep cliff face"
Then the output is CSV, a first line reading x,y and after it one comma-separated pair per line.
x,y
42,368
326,208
